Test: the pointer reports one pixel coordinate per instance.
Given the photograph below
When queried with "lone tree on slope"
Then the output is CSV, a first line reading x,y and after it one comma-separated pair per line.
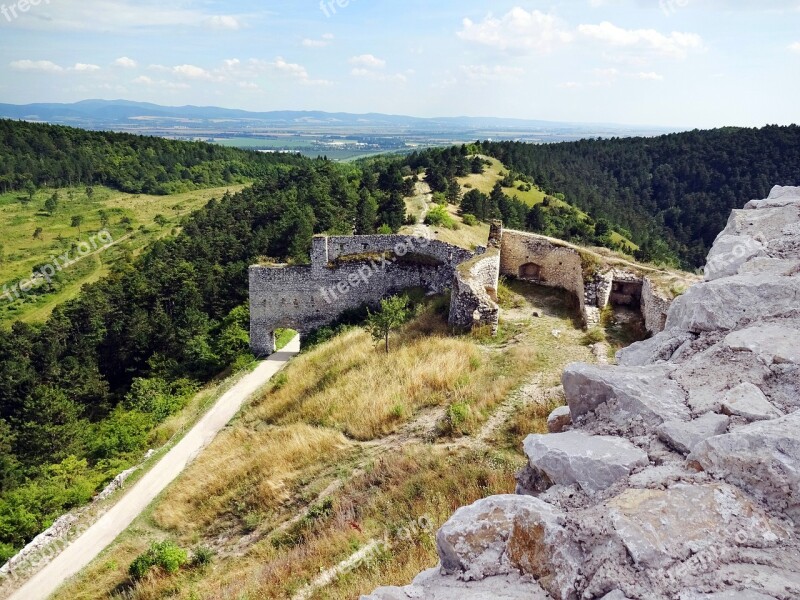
x,y
394,312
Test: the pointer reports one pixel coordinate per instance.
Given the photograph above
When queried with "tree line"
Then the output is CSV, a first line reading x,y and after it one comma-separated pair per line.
x,y
35,155
674,193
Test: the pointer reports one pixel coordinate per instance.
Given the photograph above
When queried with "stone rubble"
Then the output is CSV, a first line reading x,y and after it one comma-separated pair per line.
x,y
677,475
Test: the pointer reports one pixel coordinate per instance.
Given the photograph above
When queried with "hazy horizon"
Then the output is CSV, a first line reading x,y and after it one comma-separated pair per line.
x,y
664,63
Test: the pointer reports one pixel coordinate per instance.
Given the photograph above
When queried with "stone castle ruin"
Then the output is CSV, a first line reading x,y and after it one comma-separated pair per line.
x,y
348,272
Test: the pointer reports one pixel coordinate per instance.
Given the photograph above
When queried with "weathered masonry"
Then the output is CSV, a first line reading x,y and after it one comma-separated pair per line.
x,y
553,263
349,272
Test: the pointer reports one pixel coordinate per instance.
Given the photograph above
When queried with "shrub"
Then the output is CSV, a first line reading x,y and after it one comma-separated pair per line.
x,y
469,220
203,557
594,336
167,556
439,217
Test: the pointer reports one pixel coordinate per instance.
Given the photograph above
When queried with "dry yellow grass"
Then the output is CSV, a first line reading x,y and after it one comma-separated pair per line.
x,y
244,471
353,386
273,463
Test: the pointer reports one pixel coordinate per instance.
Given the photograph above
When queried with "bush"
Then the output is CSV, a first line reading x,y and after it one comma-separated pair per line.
x,y
469,220
203,557
594,336
439,217
166,556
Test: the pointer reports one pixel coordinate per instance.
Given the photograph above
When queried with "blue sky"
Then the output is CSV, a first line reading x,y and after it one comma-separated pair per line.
x,y
683,63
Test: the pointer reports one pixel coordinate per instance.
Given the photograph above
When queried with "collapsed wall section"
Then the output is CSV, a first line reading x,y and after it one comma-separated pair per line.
x,y
474,296
345,273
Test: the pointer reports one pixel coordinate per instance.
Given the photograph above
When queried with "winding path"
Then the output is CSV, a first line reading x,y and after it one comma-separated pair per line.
x,y
97,537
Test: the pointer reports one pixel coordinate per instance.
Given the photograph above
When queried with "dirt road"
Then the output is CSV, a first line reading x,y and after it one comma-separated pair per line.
x,y
95,539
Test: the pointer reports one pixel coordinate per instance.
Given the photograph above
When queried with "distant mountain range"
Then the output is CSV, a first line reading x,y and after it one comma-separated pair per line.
x,y
124,114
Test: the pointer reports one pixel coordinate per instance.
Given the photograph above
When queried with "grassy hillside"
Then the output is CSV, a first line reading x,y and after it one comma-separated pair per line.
x,y
32,237
494,172
338,455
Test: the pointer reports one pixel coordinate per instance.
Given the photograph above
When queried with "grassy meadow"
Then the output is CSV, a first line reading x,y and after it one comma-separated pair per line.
x,y
34,236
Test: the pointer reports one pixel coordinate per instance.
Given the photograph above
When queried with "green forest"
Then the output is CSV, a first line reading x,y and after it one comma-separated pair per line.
x,y
673,193
33,155
81,394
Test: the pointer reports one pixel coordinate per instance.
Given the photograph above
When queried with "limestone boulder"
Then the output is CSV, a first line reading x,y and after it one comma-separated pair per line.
x,y
777,267
750,403
767,223
730,303
662,527
762,458
683,437
657,349
511,534
710,374
779,197
729,253
645,394
559,420
594,463
773,343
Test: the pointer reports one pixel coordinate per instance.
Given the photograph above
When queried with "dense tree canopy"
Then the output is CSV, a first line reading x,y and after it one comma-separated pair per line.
x,y
34,155
674,193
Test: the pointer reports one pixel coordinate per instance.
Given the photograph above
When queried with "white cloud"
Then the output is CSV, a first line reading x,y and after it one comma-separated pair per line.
x,y
85,68
169,85
126,15
295,71
324,41
369,61
650,76
517,30
35,65
248,85
228,22
795,47
191,72
676,44
125,63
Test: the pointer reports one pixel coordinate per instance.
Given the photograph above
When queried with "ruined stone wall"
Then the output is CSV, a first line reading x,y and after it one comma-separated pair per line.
x,y
345,273
655,306
558,266
474,296
674,476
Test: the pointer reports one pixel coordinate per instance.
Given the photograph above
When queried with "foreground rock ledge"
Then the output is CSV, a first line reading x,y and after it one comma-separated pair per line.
x,y
631,516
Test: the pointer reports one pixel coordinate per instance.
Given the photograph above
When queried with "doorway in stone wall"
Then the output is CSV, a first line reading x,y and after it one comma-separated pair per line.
x,y
530,272
622,318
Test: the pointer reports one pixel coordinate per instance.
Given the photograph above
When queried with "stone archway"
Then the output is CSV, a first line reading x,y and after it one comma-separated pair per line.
x,y
530,272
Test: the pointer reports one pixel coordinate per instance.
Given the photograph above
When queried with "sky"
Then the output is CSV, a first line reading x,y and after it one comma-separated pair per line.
x,y
672,63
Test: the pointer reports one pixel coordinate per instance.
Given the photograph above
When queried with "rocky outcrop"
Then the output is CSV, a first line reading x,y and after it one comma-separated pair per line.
x,y
676,475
